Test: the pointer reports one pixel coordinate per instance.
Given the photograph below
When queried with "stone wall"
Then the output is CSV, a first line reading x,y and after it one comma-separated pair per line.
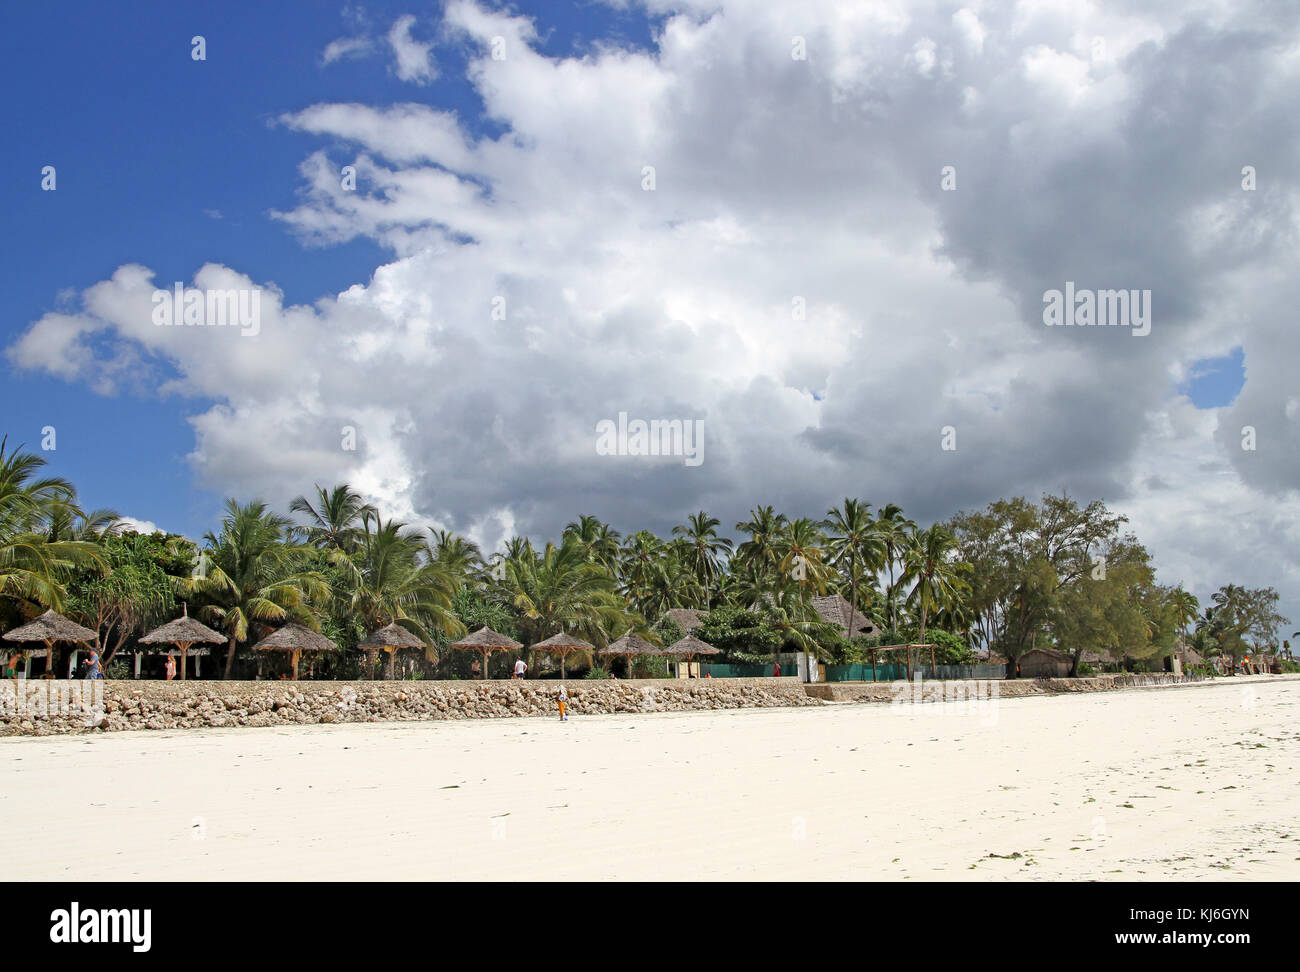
x,y
1005,688
44,707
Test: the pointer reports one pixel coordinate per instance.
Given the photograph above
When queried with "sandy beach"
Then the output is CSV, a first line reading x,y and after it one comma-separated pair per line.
x,y
1195,781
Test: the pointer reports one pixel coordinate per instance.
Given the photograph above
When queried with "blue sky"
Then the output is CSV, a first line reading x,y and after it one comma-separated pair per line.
x,y
172,163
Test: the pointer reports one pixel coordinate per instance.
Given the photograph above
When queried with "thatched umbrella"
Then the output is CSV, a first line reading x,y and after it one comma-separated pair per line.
x,y
563,645
50,627
183,632
689,647
628,646
295,639
391,639
487,641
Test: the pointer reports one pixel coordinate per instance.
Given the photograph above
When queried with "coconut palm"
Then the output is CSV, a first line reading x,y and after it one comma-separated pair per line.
x,y
251,575
801,546
561,590
854,539
462,558
934,574
705,552
639,566
335,519
598,540
391,577
763,528
892,531
35,563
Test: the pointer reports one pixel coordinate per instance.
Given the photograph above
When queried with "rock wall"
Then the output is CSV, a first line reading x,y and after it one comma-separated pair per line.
x,y
45,707
1001,688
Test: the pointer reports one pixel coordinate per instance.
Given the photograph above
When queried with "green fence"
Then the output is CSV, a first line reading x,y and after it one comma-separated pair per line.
x,y
741,671
860,672
893,672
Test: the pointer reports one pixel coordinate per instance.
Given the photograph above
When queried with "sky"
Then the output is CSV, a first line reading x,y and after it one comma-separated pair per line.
x,y
824,234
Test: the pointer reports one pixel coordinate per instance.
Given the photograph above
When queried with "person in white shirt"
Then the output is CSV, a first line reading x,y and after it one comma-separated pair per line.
x,y
564,700
520,668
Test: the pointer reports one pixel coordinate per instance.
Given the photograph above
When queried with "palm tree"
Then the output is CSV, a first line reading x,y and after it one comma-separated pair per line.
x,y
893,531
705,550
392,578
1186,609
34,562
854,538
935,575
251,575
763,528
639,565
563,591
460,557
600,543
801,547
335,519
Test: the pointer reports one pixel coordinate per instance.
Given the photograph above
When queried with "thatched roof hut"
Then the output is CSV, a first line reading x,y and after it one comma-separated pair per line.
x,y
486,641
835,609
563,645
184,632
629,646
49,628
688,619
391,639
689,647
295,639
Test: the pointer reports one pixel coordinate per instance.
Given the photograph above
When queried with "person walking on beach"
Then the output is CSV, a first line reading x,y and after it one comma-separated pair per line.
x,y
93,668
564,699
170,668
520,667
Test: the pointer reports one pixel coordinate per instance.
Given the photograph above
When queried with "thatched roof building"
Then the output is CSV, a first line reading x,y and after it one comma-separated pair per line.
x,y
689,647
295,639
50,627
485,637
564,645
391,639
835,609
185,630
688,619
486,641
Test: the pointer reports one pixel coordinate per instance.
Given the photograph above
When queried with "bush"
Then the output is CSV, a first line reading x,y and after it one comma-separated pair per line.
x,y
597,672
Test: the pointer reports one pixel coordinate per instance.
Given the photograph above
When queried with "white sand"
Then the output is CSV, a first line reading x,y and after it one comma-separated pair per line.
x,y
1184,782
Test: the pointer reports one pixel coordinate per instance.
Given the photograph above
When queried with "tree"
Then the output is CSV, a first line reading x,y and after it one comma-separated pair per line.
x,y
1025,558
391,578
135,591
35,564
760,551
706,551
335,519
561,590
249,574
892,531
936,577
854,538
800,545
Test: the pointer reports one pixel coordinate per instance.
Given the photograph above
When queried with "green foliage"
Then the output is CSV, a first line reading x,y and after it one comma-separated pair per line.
x,y
597,672
742,636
